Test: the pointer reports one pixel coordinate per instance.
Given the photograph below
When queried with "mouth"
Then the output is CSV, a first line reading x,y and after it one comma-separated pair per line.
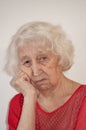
x,y
38,82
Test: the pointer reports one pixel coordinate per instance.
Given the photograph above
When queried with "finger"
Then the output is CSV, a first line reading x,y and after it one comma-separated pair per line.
x,y
20,72
11,82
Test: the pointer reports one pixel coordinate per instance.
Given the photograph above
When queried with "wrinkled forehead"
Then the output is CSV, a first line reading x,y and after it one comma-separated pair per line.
x,y
36,44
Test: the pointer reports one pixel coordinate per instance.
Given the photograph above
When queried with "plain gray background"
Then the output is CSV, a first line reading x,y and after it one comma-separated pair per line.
x,y
70,14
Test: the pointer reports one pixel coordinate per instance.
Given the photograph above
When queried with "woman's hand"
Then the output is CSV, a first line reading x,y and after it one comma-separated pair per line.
x,y
21,82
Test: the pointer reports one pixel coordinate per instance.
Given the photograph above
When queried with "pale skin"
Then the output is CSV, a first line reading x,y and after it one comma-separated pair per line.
x,y
40,79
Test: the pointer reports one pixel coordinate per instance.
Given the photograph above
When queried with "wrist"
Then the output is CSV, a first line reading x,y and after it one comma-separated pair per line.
x,y
30,98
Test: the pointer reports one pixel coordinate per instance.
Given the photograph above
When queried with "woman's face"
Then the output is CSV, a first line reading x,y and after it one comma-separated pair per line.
x,y
40,64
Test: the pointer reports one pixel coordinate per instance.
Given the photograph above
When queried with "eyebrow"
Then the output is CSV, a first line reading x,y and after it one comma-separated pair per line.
x,y
42,52
26,57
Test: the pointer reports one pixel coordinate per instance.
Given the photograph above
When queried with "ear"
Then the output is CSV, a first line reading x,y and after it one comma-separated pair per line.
x,y
59,66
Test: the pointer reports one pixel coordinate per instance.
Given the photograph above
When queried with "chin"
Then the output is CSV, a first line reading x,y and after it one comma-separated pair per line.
x,y
43,87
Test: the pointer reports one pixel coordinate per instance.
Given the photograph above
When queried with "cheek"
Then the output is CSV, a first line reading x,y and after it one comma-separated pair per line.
x,y
50,71
53,72
51,68
53,75
26,70
54,68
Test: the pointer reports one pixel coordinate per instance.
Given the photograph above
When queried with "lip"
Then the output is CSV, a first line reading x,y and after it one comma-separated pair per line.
x,y
40,81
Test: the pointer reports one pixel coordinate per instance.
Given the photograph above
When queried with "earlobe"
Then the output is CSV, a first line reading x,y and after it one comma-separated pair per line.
x,y
58,59
59,66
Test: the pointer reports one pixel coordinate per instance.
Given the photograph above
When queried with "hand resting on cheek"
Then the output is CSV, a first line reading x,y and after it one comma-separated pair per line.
x,y
21,82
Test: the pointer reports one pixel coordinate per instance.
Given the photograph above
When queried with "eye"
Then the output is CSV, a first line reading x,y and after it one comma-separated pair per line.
x,y
27,63
43,58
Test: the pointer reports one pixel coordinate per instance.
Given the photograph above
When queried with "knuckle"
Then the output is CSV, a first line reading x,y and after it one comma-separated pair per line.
x,y
14,82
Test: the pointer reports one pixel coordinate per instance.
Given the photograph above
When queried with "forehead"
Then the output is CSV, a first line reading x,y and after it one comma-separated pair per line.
x,y
35,45
32,49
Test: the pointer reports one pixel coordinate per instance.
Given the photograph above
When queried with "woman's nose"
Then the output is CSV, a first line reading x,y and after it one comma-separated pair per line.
x,y
36,69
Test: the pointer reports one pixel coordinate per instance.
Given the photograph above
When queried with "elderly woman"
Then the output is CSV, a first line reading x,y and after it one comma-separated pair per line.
x,y
47,100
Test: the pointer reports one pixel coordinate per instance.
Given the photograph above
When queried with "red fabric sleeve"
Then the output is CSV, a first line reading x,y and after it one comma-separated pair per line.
x,y
81,123
14,112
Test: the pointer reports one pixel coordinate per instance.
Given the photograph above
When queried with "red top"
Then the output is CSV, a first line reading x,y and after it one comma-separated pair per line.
x,y
70,116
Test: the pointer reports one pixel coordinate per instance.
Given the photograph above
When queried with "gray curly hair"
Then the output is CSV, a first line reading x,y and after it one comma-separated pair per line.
x,y
48,34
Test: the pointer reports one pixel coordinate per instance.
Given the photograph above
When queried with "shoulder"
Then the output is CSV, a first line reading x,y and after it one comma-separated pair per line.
x,y
79,94
15,108
82,89
82,93
83,85
16,101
